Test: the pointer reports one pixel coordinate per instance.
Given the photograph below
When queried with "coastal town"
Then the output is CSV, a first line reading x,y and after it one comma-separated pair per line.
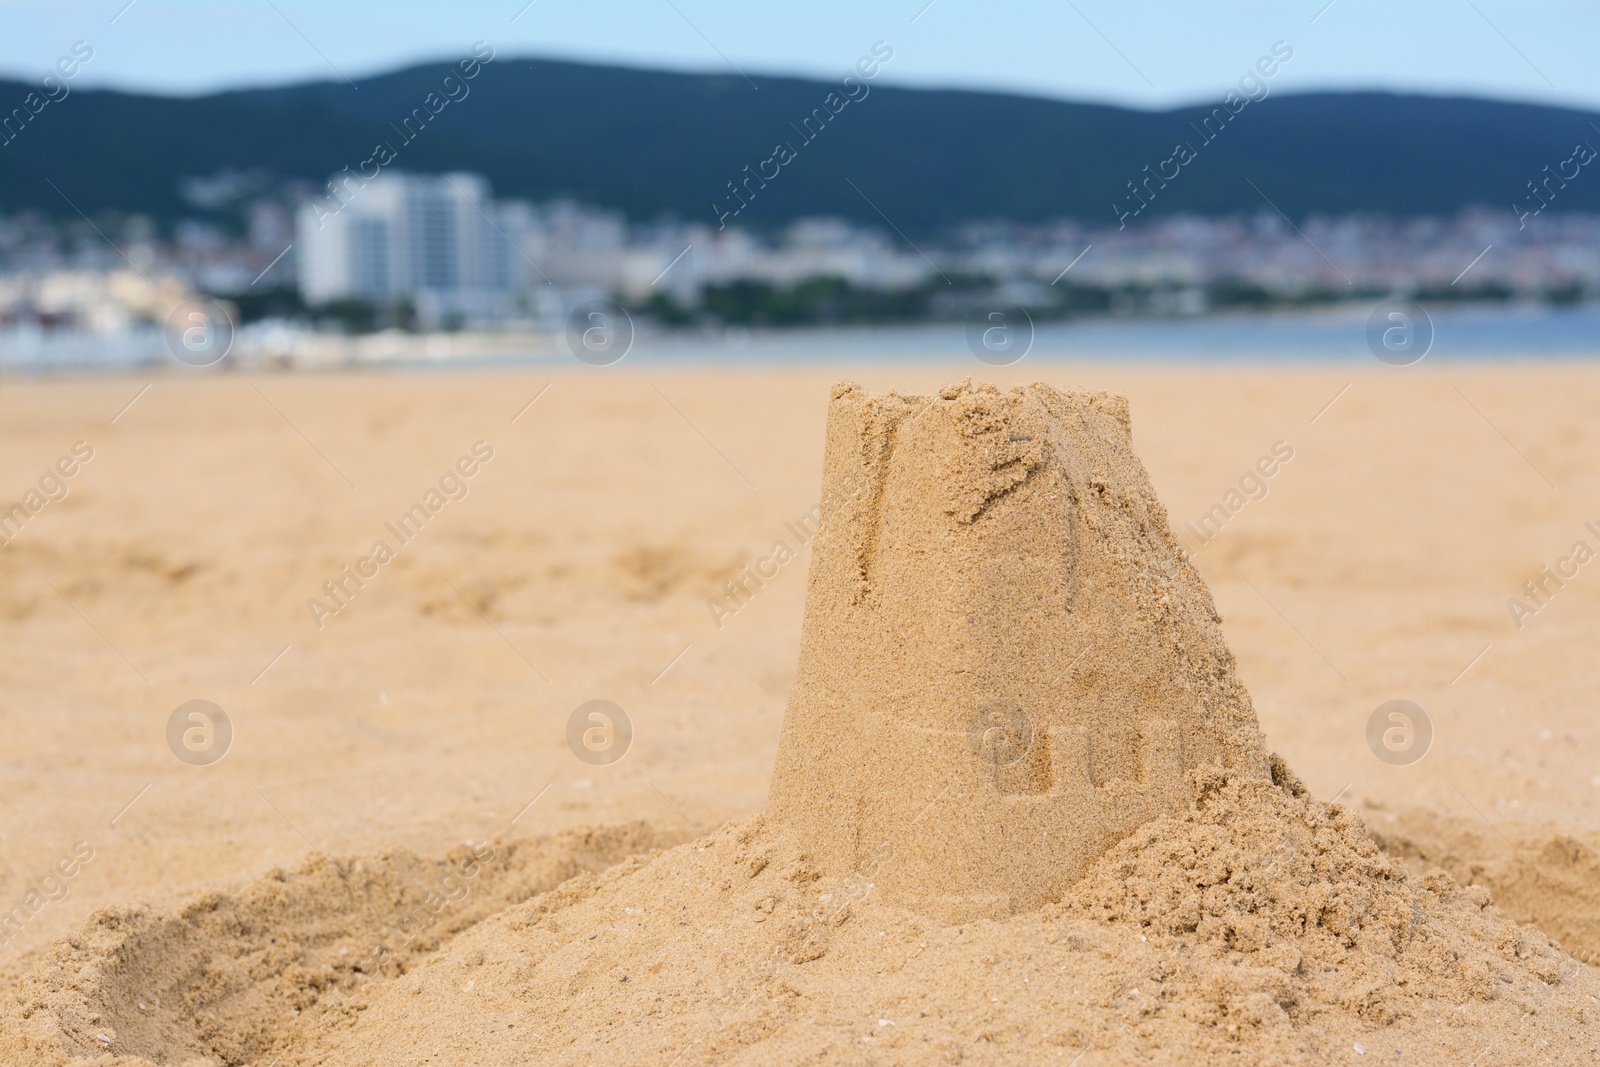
x,y
408,256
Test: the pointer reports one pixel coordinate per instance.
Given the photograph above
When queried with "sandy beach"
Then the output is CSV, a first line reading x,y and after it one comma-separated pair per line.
x,y
588,554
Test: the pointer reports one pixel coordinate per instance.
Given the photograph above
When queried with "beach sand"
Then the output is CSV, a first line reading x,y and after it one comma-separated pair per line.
x,y
588,559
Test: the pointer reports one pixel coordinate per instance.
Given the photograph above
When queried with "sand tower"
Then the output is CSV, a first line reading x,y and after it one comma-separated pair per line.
x,y
1007,662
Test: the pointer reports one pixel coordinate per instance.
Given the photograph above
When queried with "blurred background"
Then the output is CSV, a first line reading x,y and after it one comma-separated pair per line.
x,y
371,182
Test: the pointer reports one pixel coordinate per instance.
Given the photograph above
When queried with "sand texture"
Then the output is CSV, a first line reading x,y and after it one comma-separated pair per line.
x,y
975,546
1262,928
1259,926
1023,808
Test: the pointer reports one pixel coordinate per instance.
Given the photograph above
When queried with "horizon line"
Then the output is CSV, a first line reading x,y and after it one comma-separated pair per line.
x,y
687,71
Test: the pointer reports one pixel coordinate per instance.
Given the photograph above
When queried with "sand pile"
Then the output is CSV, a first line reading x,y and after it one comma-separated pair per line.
x,y
1022,814
1538,875
222,979
1259,927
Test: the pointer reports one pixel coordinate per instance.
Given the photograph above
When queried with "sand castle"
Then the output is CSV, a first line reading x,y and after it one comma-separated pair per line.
x,y
1007,661
1007,666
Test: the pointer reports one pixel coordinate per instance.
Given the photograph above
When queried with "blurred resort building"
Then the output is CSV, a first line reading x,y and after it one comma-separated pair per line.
x,y
440,242
457,255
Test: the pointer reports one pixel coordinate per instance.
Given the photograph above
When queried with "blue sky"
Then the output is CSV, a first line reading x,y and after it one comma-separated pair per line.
x,y
1138,53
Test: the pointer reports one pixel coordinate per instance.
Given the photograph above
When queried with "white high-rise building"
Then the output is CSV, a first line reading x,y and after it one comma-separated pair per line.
x,y
439,241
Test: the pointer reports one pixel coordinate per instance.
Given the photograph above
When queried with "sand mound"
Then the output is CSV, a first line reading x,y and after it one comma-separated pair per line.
x,y
221,979
1539,876
1257,927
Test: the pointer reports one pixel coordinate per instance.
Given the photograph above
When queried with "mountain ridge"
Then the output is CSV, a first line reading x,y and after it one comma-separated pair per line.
x,y
653,143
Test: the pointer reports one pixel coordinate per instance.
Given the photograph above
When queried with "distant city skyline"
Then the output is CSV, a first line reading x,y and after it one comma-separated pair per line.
x,y
1142,54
